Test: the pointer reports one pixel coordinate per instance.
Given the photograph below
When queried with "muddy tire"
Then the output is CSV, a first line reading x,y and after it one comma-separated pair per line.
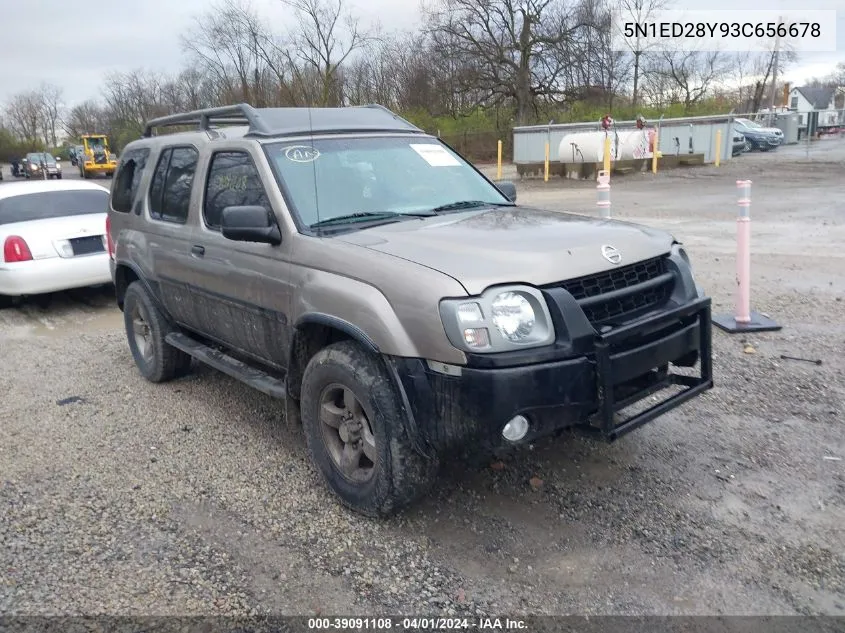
x,y
146,329
354,430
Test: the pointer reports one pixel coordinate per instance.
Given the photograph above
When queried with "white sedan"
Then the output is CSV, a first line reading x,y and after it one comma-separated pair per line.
x,y
53,236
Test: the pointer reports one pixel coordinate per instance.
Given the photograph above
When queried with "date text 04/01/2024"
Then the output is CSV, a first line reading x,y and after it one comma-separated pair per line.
x,y
416,624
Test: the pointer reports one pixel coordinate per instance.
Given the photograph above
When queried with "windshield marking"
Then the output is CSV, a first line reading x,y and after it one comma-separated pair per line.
x,y
435,155
302,154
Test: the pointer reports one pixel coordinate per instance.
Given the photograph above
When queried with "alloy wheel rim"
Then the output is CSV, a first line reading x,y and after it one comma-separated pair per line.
x,y
347,433
142,334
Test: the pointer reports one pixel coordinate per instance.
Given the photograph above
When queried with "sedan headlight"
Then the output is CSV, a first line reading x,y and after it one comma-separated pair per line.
x,y
499,320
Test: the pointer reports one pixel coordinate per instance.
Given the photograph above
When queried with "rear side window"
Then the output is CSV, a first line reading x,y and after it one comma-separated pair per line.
x,y
233,181
128,179
170,190
52,204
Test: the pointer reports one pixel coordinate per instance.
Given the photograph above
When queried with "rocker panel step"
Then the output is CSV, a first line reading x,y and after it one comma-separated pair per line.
x,y
248,374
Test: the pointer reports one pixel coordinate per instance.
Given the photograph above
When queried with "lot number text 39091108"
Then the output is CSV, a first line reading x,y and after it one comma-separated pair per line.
x,y
416,624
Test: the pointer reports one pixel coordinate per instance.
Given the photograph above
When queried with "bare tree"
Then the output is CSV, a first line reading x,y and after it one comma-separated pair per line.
x,y
684,76
223,41
85,118
51,111
24,114
638,11
508,50
601,70
325,37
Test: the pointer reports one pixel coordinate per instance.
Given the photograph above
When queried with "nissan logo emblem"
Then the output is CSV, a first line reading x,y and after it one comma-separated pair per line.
x,y
611,254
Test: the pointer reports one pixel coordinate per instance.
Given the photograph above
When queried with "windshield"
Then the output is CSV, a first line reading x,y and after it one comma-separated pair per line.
x,y
747,123
328,178
38,158
46,205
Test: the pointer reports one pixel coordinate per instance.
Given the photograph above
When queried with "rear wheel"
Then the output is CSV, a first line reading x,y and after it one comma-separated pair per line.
x,y
146,329
355,432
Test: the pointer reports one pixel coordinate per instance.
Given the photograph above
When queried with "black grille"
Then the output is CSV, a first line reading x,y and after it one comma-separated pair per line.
x,y
87,245
623,286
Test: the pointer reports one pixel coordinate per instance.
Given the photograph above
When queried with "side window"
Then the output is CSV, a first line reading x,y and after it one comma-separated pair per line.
x,y
170,190
157,184
233,181
128,179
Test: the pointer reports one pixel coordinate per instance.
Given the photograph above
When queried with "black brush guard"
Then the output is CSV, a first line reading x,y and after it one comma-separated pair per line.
x,y
611,357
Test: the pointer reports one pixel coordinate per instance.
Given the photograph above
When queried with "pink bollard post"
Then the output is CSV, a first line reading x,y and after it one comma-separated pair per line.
x,y
603,194
743,319
743,254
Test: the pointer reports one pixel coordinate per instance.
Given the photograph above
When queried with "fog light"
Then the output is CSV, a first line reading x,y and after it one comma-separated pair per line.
x,y
515,429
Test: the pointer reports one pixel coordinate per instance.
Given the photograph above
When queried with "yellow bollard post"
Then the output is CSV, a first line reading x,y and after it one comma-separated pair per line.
x,y
546,176
718,147
499,163
655,153
606,154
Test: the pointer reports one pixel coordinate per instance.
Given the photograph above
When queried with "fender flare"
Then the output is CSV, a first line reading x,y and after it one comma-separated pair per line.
x,y
364,339
153,295
318,318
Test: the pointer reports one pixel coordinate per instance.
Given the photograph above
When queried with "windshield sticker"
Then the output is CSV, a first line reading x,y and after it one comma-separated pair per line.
x,y
302,154
436,155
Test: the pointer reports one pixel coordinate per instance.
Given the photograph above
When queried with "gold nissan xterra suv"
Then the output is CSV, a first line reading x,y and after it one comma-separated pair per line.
x,y
402,304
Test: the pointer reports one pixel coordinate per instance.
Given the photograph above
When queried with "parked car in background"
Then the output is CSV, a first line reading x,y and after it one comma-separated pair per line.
x,y
75,152
757,136
19,168
53,237
38,161
740,145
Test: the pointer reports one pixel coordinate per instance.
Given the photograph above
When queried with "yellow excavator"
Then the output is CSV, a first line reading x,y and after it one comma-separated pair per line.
x,y
96,157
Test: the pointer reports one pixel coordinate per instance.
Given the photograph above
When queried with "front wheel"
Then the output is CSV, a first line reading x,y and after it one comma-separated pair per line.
x,y
354,428
146,329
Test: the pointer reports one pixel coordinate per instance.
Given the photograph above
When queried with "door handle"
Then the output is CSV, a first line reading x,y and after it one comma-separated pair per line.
x,y
198,251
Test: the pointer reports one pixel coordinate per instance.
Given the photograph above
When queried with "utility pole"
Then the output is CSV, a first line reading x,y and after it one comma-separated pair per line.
x,y
775,76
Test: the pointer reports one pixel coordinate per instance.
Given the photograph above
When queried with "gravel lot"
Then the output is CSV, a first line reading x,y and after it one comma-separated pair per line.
x,y
123,497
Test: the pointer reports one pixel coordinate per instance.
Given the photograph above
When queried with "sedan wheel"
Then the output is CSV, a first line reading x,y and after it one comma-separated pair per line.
x,y
747,147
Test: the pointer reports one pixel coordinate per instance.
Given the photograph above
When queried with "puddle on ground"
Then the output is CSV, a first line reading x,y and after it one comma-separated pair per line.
x,y
34,323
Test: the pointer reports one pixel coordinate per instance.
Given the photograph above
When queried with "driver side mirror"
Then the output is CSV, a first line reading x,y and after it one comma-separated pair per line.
x,y
250,224
507,188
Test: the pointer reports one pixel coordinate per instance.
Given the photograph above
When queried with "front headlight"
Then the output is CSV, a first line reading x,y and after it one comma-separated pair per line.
x,y
513,316
499,320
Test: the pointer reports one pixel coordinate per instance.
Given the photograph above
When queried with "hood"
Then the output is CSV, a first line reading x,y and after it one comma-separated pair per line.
x,y
481,248
764,130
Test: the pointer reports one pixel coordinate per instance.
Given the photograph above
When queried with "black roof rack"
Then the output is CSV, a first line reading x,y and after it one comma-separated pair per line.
x,y
271,122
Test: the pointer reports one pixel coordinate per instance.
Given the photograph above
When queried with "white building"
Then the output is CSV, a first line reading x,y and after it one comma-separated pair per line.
x,y
821,99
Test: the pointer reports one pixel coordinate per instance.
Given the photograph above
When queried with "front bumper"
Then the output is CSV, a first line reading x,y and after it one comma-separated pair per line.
x,y
92,166
767,141
624,366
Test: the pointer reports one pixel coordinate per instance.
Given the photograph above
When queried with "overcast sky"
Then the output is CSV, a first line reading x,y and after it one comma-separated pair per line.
x,y
74,44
